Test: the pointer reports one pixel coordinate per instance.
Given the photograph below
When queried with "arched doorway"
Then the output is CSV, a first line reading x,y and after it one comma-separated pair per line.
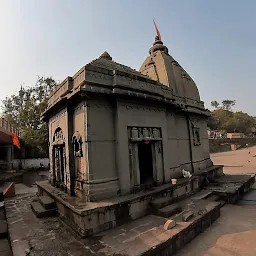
x,y
59,159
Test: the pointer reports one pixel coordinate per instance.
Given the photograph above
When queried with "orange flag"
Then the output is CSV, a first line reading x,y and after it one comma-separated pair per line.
x,y
15,140
157,31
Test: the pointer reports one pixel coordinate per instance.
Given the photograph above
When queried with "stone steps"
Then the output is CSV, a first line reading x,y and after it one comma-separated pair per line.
x,y
230,188
200,210
44,207
161,202
47,202
156,235
169,210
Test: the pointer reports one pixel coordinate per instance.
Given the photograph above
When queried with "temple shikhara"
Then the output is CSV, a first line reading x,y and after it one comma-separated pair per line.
x,y
120,141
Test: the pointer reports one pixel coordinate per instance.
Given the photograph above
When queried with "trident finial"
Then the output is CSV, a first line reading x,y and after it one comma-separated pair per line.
x,y
157,31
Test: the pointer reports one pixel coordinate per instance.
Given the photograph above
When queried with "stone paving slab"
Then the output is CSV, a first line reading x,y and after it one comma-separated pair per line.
x,y
48,236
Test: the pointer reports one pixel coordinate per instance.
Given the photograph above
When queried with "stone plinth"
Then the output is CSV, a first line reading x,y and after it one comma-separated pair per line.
x,y
89,218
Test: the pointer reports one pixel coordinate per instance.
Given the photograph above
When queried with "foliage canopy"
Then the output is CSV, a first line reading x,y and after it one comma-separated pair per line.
x,y
23,110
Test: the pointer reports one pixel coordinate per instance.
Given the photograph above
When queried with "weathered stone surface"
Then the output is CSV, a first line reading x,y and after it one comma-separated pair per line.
x,y
169,224
47,202
4,245
48,237
161,202
188,215
20,247
2,213
3,229
169,210
40,212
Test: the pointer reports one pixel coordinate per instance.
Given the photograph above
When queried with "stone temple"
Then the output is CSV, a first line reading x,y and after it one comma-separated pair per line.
x,y
113,129
117,138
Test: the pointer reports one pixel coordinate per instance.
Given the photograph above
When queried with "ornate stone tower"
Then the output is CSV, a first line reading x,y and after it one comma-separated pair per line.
x,y
160,66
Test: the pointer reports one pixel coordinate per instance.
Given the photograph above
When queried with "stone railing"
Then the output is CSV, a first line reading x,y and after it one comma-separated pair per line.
x,y
7,126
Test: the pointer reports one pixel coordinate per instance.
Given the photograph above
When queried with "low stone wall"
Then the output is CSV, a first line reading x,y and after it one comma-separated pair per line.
x,y
222,145
30,163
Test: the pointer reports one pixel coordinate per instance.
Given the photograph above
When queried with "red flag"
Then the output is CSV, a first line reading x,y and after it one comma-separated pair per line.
x,y
157,31
15,140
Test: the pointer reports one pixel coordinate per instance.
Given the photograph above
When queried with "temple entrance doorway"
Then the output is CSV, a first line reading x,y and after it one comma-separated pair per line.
x,y
145,163
59,156
59,159
145,157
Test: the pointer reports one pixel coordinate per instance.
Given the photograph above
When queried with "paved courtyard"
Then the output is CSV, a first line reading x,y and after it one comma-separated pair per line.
x,y
49,237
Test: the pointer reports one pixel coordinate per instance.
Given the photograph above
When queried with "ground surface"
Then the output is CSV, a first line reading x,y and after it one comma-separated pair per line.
x,y
240,161
231,234
222,235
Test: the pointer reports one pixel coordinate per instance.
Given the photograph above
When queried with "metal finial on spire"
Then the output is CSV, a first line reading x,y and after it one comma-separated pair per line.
x,y
157,31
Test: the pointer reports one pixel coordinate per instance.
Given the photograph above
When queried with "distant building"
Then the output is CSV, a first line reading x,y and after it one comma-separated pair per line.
x,y
214,134
6,144
235,135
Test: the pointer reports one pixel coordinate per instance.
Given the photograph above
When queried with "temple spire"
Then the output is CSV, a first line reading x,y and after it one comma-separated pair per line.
x,y
158,35
158,44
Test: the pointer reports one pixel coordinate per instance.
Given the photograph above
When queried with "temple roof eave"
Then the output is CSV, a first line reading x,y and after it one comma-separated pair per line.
x,y
161,94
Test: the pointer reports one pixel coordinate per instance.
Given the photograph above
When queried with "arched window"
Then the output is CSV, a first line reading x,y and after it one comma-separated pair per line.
x,y
58,137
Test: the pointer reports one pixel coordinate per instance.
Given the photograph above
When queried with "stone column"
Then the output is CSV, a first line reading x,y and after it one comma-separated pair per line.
x,y
70,161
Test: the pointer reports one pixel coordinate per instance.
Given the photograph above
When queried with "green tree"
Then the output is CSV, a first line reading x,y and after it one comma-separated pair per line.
x,y
228,104
215,104
223,118
24,110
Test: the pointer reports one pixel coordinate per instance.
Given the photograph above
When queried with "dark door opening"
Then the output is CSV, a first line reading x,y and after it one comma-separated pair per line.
x,y
59,165
145,163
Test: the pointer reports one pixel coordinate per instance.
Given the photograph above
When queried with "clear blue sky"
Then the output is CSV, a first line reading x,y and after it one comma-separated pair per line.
x,y
215,41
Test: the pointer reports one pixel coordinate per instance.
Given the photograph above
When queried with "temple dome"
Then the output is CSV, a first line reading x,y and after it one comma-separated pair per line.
x,y
160,66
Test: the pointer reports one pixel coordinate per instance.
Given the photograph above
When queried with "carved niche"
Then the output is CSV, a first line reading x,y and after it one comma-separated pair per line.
x,y
196,136
58,137
77,144
144,133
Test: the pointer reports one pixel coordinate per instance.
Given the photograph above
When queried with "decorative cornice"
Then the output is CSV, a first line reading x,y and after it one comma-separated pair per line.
x,y
101,81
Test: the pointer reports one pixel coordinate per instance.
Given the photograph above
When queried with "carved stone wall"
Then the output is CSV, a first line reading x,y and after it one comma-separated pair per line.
x,y
58,121
79,127
138,115
101,147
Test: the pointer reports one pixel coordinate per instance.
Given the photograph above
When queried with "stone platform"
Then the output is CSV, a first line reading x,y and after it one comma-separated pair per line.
x,y
192,209
147,236
90,218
